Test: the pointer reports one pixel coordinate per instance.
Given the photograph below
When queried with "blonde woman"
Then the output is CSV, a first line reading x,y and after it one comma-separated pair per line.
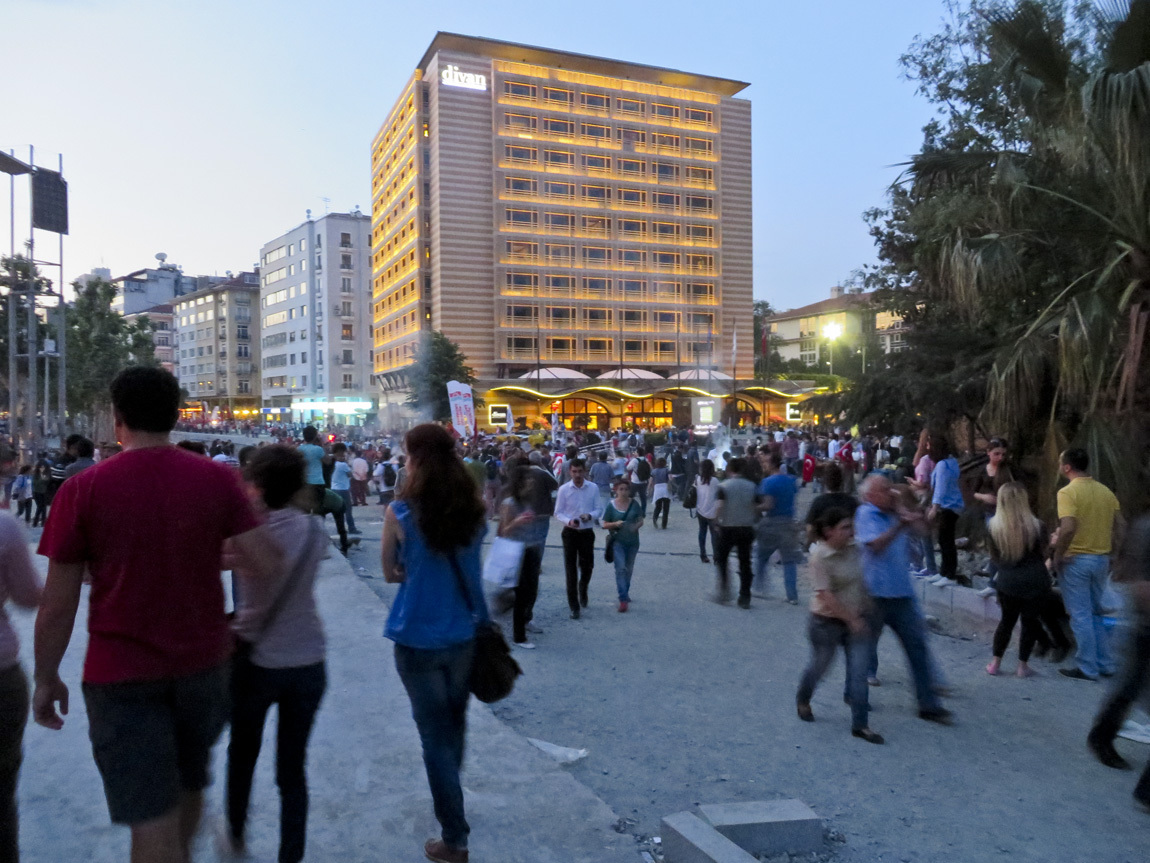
x,y
1018,544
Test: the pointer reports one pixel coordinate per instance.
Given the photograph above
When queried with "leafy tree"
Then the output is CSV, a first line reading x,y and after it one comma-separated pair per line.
x,y
1017,245
437,361
101,343
20,264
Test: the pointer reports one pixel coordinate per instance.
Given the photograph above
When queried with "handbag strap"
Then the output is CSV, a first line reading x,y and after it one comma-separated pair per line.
x,y
461,581
293,577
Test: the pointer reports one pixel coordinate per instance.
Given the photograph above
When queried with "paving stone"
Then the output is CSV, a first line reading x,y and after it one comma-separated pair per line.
x,y
687,838
767,826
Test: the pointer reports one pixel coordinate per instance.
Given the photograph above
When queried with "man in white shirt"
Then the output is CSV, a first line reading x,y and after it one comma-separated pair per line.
x,y
833,447
360,470
578,506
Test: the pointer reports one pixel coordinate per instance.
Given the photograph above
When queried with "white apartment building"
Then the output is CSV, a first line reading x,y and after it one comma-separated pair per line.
x,y
315,322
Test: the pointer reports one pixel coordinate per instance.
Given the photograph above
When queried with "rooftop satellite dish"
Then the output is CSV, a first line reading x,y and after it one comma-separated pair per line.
x,y
161,256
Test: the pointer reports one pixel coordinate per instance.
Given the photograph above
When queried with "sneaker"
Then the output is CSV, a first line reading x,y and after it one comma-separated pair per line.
x,y
867,735
355,531
944,582
532,628
744,602
987,591
936,578
574,614
623,606
583,596
920,573
805,712
873,681
439,851
526,645
1076,674
792,602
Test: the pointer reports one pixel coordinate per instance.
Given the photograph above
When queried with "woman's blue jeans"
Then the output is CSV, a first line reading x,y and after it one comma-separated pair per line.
x,y
624,567
437,684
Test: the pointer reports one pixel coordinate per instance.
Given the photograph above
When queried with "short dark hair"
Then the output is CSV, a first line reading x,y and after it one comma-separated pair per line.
x,y
310,434
577,462
737,465
146,398
338,448
196,446
278,472
774,460
85,448
829,518
72,440
833,476
1076,459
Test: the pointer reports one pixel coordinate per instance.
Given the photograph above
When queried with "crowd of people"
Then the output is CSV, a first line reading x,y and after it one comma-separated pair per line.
x,y
166,670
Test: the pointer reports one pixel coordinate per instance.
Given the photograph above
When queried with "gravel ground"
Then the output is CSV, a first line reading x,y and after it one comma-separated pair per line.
x,y
682,701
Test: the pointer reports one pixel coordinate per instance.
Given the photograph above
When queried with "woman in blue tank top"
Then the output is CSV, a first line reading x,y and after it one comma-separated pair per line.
x,y
431,538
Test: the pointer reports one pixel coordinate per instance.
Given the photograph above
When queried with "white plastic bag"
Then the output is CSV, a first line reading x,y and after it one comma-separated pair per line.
x,y
502,565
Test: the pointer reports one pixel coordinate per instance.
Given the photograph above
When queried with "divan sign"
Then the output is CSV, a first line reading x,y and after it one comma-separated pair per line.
x,y
452,77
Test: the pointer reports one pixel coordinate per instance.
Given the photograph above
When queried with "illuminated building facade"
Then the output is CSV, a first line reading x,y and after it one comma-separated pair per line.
x,y
548,210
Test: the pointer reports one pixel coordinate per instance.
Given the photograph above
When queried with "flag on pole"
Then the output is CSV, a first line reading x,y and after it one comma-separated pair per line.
x,y
734,347
510,420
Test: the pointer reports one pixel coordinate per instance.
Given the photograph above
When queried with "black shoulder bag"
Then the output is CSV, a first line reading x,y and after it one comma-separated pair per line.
x,y
493,669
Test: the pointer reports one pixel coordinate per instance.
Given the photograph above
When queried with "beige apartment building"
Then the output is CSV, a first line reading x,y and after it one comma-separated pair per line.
x,y
844,322
218,349
578,225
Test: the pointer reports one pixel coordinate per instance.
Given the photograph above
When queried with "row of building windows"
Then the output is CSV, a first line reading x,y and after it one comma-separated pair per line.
x,y
285,251
595,286
592,195
276,318
568,161
604,257
599,318
599,349
282,295
564,128
603,226
561,98
595,134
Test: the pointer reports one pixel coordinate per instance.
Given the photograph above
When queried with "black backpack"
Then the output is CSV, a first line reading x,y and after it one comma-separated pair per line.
x,y
492,469
643,471
388,474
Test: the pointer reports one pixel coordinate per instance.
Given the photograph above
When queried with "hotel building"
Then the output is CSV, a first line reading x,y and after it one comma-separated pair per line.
x,y
578,225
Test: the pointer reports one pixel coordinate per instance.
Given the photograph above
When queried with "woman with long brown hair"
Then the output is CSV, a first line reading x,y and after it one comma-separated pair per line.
x,y
431,538
1018,544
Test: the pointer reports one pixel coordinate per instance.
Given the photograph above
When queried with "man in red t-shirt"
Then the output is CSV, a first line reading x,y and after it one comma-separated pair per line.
x,y
148,525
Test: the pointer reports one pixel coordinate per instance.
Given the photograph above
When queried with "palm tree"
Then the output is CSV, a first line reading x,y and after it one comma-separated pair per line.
x,y
1073,368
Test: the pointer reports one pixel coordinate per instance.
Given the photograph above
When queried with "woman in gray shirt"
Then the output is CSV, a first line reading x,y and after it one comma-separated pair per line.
x,y
280,655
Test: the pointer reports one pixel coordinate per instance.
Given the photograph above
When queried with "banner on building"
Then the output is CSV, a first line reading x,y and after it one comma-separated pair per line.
x,y
462,408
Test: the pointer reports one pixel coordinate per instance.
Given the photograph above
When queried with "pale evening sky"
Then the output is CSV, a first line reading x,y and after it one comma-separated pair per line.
x,y
204,129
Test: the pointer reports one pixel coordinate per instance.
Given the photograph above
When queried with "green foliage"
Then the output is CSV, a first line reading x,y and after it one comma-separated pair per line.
x,y
42,286
101,343
437,361
1017,243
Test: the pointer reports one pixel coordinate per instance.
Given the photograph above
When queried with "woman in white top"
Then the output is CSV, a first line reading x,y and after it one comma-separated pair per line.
x,y
706,502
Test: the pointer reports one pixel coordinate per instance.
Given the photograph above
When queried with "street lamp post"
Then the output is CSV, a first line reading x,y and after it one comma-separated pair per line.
x,y
831,332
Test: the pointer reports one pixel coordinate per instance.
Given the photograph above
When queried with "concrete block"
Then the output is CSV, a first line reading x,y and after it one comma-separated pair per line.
x,y
764,827
689,839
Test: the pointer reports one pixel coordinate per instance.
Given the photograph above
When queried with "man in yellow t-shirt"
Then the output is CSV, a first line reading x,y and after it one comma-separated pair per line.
x,y
1089,526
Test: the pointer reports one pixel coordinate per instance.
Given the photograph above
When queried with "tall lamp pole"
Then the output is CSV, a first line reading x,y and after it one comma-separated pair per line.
x,y
831,332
